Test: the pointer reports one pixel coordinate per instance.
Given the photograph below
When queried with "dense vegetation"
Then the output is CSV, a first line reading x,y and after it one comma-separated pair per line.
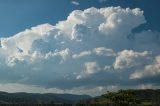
x,y
127,98
146,97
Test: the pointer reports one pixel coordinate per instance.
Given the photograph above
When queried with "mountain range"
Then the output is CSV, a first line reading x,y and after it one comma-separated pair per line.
x,y
20,98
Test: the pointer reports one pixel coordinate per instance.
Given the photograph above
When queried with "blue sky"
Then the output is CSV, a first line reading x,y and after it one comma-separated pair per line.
x,y
79,46
18,15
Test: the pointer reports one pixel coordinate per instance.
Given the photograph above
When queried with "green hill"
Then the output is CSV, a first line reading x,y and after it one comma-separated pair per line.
x,y
146,97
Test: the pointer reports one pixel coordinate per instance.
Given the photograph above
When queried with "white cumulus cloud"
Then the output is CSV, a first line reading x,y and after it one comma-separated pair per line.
x,y
149,70
129,58
82,51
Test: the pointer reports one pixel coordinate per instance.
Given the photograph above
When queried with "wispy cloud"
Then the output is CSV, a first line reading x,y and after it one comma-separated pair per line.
x,y
102,1
75,2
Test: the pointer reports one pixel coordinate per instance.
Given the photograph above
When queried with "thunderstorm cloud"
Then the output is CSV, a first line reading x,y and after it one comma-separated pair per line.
x,y
94,48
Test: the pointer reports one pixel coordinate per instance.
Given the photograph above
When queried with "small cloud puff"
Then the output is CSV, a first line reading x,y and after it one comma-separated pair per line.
x,y
102,1
75,2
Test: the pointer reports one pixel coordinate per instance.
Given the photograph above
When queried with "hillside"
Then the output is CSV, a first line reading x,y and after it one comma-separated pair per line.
x,y
47,98
146,97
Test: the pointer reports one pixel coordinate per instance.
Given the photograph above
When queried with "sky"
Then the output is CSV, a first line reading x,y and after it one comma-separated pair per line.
x,y
79,46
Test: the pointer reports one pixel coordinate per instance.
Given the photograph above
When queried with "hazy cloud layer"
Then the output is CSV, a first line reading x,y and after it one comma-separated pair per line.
x,y
91,48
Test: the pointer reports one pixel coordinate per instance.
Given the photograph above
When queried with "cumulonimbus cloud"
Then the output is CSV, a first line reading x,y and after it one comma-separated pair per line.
x,y
86,49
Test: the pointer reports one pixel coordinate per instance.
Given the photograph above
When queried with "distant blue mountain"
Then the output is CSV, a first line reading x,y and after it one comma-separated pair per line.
x,y
40,98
